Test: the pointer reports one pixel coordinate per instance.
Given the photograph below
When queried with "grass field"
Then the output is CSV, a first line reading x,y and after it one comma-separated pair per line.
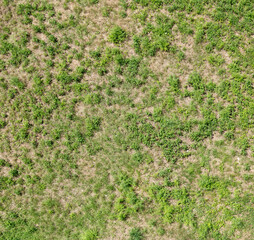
x,y
127,120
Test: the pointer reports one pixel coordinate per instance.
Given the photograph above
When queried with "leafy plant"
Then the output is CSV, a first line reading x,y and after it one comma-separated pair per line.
x,y
17,83
117,35
91,234
136,234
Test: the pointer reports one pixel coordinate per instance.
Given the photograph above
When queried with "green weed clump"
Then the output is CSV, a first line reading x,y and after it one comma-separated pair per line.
x,y
136,234
129,203
117,35
2,123
16,82
89,235
92,2
196,81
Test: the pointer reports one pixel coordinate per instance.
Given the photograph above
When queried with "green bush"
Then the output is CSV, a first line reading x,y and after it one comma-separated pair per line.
x,y
199,36
17,83
92,2
2,123
174,83
208,183
91,234
117,35
138,157
93,98
216,60
64,77
136,234
92,124
4,163
196,81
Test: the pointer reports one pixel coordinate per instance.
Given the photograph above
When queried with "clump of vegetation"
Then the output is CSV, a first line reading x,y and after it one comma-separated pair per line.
x,y
117,35
136,234
89,235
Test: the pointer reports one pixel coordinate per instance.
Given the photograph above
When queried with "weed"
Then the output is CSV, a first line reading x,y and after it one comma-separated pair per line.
x,y
89,235
117,35
136,234
196,81
2,123
17,83
92,2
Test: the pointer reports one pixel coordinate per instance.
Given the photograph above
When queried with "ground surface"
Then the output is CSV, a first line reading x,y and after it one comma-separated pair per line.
x,y
127,119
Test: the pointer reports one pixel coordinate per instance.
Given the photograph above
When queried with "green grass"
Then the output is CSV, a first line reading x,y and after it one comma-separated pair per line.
x,y
126,120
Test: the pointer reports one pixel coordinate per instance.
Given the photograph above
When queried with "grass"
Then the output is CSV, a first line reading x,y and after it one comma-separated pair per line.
x,y
126,120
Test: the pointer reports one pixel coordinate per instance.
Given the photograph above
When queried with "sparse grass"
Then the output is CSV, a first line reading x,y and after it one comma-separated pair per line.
x,y
126,120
